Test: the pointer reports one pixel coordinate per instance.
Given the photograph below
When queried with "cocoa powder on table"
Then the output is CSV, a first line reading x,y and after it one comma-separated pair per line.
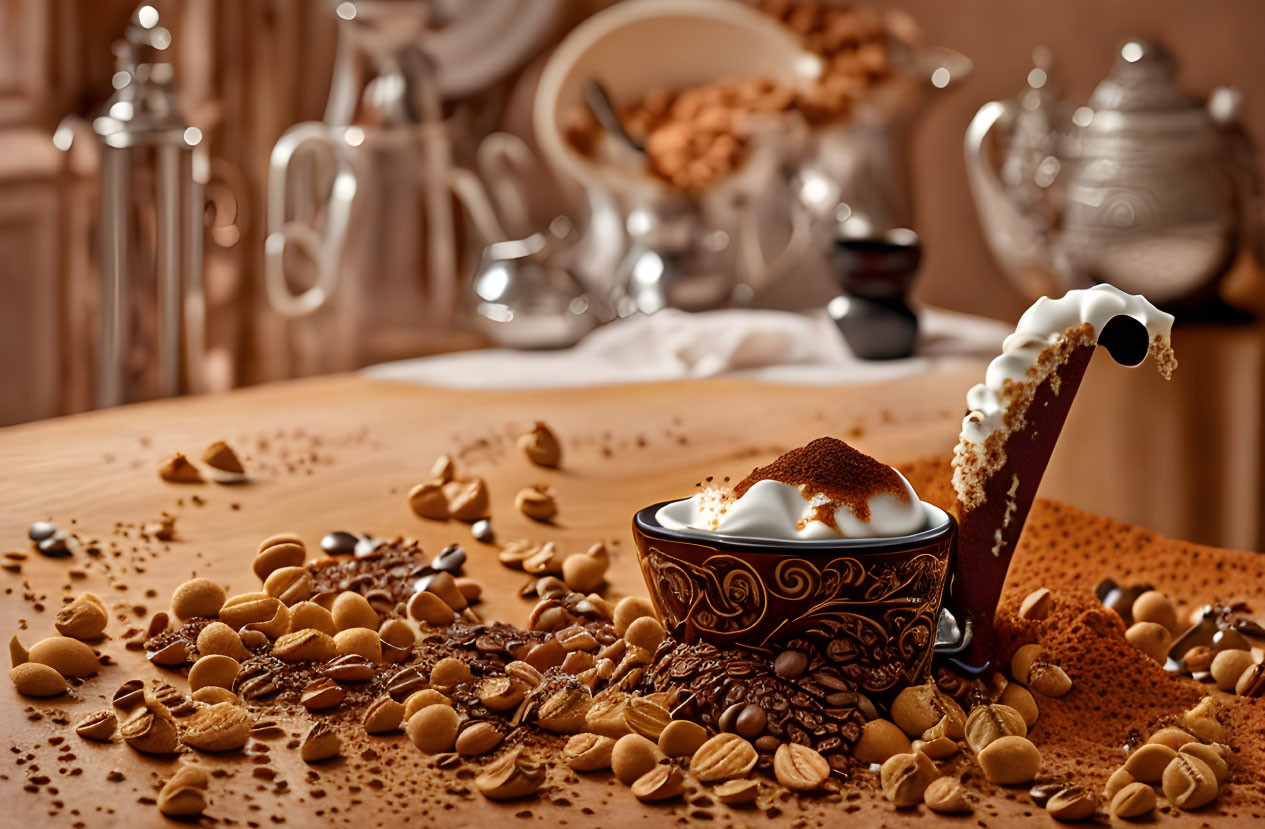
x,y
1120,695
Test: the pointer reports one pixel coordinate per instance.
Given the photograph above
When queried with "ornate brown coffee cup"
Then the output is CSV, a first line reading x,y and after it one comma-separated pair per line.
x,y
869,605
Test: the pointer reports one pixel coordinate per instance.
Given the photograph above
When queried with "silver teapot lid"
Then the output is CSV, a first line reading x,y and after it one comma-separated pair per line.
x,y
1141,80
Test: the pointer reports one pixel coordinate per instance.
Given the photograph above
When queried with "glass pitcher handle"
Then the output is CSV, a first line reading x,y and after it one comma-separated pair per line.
x,y
322,244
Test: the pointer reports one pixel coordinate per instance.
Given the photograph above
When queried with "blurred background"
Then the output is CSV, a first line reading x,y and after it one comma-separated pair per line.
x,y
205,194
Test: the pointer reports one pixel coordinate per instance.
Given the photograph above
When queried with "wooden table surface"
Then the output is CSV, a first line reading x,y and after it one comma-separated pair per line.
x,y
340,453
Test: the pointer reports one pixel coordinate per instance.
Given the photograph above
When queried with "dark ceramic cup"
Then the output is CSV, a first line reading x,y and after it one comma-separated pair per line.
x,y
870,606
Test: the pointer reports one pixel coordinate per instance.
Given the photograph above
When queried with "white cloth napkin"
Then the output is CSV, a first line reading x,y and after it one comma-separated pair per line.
x,y
779,346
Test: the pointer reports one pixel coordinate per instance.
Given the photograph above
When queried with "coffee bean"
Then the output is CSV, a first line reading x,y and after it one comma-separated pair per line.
x,y
1189,783
482,531
1042,792
1036,605
1211,757
790,664
339,543
947,795
41,530
750,721
407,682
1071,803
451,560
1252,682
729,716
55,546
1134,800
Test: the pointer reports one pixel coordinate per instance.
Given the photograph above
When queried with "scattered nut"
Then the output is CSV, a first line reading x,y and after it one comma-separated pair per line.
x,y
800,768
150,730
321,694
880,739
305,615
429,608
1188,782
320,743
360,642
583,573
660,783
1020,698
184,795
628,610
383,715
1228,665
1117,781
1150,638
219,638
905,778
421,699
645,632
1154,606
723,757
737,792
646,717
477,739
98,726
85,618
427,500
1048,680
352,610
213,670
1172,737
1211,757
1010,760
1071,803
178,469
536,503
682,738
541,446
221,727
947,795
633,755
305,646
1134,800
33,679
220,456
290,584
285,550
68,657
433,729
1148,762
589,752
919,707
512,776
987,723
468,500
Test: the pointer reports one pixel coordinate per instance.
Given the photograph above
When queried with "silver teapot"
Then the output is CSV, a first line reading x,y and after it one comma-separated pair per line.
x,y
1143,187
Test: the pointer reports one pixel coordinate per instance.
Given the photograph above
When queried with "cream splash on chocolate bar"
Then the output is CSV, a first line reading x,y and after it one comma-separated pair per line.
x,y
1043,340
1015,418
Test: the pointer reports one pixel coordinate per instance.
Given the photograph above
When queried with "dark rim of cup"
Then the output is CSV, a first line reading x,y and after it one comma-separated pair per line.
x,y
645,521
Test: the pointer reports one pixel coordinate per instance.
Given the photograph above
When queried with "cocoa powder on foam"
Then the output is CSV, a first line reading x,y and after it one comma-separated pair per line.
x,y
1119,696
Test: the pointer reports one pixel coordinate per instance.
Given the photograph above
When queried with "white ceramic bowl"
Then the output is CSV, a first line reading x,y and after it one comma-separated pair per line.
x,y
639,45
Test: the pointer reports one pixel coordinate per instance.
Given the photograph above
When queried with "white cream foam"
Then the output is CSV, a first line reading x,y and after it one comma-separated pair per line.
x,y
1041,326
774,510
